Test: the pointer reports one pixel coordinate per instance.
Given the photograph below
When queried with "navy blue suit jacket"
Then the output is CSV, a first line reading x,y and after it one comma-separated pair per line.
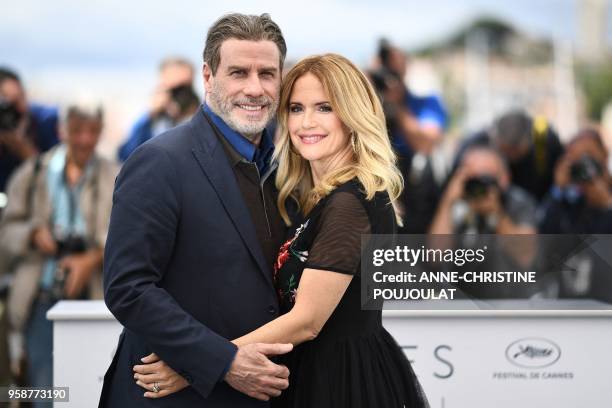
x,y
183,269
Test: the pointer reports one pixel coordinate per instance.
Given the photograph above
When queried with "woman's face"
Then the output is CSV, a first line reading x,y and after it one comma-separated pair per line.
x,y
316,132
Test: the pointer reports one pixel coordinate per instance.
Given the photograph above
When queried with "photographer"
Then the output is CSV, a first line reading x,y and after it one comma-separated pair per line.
x,y
481,199
25,129
416,125
54,229
580,202
175,75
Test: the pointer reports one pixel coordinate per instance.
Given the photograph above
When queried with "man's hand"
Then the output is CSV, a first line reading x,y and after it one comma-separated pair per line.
x,y
159,102
456,185
81,268
562,172
253,374
16,142
43,241
597,193
395,91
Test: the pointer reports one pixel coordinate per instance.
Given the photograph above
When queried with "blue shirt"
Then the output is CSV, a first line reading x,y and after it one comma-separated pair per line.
x,y
427,110
259,155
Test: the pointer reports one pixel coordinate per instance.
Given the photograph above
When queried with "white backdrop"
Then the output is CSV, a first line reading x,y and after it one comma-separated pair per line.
x,y
473,358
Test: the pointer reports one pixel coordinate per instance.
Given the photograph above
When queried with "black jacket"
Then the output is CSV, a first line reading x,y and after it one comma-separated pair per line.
x,y
184,270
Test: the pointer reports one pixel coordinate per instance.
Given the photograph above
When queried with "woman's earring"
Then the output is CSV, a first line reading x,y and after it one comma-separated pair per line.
x,y
354,141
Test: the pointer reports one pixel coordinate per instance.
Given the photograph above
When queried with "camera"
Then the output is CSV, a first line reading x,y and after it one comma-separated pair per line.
x,y
70,245
585,169
9,115
185,97
381,79
477,187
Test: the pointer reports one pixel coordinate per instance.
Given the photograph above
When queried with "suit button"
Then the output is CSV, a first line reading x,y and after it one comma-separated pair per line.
x,y
271,309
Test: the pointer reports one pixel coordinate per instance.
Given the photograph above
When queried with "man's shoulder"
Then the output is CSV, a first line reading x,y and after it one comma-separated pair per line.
x,y
184,137
170,150
172,139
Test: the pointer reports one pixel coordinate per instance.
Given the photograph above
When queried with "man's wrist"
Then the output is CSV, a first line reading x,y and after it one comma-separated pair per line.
x,y
228,366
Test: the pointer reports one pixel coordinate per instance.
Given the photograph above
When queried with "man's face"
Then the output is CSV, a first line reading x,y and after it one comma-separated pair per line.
x,y
244,91
514,153
398,62
586,147
482,163
13,92
81,134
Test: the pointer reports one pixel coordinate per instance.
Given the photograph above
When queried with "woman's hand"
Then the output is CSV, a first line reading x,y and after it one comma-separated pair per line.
x,y
157,377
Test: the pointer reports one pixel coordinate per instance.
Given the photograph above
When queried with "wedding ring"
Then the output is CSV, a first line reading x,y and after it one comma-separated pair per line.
x,y
155,388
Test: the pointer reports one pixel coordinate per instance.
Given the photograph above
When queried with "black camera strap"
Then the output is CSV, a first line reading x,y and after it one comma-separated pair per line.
x,y
31,187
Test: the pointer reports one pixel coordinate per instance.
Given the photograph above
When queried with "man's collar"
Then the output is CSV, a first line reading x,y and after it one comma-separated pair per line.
x,y
241,144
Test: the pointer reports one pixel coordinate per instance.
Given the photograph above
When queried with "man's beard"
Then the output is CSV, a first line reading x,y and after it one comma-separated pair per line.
x,y
224,107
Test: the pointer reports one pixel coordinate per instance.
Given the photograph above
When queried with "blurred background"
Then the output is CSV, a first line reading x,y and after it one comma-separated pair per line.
x,y
500,114
550,56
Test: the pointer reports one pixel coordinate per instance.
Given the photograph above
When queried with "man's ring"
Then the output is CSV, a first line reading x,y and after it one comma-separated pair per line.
x,y
155,388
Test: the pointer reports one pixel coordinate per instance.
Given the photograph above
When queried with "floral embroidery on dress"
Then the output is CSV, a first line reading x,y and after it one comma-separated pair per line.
x,y
286,250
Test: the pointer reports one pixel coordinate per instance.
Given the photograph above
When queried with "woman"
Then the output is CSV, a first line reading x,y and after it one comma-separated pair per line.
x,y
337,167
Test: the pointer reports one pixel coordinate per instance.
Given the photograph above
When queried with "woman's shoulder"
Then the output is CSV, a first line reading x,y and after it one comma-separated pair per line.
x,y
352,197
353,186
350,193
356,189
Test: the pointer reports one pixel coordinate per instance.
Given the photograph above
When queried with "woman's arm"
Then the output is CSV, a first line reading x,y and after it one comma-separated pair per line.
x,y
318,294
319,290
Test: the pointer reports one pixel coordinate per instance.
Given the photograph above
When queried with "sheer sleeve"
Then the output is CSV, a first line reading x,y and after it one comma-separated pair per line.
x,y
337,244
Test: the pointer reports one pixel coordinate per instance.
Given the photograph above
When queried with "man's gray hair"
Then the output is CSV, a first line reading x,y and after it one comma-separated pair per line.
x,y
513,128
241,27
175,61
83,107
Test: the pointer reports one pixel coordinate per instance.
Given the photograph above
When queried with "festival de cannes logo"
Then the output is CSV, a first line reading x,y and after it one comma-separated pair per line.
x,y
533,353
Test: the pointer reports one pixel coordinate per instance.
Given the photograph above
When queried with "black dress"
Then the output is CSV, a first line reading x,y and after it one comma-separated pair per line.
x,y
354,362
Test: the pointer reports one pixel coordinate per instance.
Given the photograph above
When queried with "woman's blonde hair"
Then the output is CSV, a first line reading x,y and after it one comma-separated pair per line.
x,y
355,102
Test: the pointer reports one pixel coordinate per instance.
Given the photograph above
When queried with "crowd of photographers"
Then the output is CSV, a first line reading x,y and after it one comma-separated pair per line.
x,y
514,177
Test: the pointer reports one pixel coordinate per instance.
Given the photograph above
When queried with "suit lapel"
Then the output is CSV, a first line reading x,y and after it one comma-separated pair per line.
x,y
213,161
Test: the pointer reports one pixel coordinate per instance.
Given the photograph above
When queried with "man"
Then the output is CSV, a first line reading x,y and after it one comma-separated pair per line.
x,y
580,201
54,229
579,205
174,74
25,129
194,233
416,125
480,198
